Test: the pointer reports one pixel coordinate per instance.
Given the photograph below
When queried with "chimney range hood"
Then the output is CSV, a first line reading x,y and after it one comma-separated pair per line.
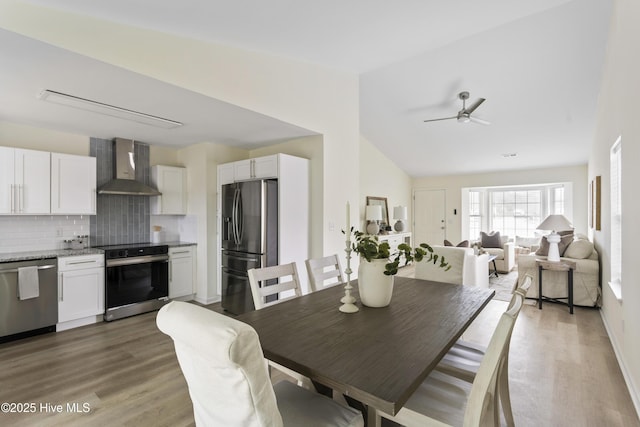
x,y
124,172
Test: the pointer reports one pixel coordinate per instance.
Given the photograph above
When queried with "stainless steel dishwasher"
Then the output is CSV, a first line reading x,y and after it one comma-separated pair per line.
x,y
21,318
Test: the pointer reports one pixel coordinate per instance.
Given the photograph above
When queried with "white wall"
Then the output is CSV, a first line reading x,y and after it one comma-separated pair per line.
x,y
382,178
453,185
33,138
617,115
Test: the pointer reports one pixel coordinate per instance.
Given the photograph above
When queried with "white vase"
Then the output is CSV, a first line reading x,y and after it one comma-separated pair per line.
x,y
375,287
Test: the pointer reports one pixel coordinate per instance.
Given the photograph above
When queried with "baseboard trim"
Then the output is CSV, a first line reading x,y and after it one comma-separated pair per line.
x,y
631,387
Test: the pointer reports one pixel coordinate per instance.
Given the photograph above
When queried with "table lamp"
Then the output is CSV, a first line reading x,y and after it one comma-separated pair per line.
x,y
399,213
373,215
554,223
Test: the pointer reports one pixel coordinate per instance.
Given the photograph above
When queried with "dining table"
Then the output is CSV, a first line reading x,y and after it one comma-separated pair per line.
x,y
375,357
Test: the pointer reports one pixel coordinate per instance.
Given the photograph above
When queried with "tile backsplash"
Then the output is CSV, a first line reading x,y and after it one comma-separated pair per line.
x,y
35,233
119,219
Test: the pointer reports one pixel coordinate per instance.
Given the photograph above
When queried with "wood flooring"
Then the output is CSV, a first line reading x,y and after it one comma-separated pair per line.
x,y
124,373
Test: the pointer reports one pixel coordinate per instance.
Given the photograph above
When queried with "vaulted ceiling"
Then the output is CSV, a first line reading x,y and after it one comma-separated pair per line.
x,y
538,64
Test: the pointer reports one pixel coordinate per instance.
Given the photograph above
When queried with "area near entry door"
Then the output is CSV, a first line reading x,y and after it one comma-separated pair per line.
x,y
429,217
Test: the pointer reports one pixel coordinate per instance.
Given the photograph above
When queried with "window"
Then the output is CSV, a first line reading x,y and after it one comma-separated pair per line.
x,y
616,217
475,213
514,211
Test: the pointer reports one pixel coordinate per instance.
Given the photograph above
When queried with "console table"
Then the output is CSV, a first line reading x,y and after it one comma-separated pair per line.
x,y
563,265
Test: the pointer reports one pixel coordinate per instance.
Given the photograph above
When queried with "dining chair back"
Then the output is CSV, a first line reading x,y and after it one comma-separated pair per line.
x,y
221,359
324,272
271,285
464,358
454,256
445,400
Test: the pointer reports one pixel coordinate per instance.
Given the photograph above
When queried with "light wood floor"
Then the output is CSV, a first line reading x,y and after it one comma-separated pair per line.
x,y
563,373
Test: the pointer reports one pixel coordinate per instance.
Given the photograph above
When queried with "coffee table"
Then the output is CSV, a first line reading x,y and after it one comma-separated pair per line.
x,y
492,258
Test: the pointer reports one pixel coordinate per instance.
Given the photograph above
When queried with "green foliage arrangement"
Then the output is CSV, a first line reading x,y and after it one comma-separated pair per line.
x,y
369,247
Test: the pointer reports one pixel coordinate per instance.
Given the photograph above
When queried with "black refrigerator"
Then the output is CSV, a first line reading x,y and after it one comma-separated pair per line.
x,y
249,238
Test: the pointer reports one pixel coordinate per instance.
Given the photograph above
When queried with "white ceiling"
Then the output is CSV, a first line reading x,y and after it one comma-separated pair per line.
x,y
538,64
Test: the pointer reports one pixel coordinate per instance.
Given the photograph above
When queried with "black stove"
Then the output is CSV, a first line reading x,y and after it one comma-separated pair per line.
x,y
136,278
127,250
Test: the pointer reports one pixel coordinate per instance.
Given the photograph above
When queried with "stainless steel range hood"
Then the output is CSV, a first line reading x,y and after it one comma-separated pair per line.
x,y
124,172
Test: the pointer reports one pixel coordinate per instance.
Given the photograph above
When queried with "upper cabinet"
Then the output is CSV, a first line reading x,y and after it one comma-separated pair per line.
x,y
171,181
258,168
25,181
73,184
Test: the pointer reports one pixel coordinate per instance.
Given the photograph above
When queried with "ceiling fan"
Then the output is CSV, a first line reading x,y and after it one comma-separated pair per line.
x,y
464,115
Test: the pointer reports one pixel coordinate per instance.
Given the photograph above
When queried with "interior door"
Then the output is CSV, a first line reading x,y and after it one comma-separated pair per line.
x,y
429,218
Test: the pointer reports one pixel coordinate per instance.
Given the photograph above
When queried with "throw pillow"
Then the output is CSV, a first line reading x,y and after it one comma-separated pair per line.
x,y
566,237
491,240
579,249
463,244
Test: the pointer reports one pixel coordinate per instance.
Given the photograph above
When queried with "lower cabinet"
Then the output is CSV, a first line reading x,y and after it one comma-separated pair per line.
x,y
80,290
395,240
182,275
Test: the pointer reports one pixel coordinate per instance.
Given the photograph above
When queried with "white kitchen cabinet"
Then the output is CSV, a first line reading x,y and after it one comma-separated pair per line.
x,y
171,181
25,181
73,184
182,271
257,168
80,290
225,174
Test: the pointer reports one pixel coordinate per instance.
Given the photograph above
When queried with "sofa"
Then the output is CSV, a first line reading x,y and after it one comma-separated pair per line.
x,y
586,276
466,267
500,246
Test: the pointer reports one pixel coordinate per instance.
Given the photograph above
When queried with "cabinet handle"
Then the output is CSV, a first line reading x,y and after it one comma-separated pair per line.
x,y
170,272
13,193
21,197
181,252
61,287
92,261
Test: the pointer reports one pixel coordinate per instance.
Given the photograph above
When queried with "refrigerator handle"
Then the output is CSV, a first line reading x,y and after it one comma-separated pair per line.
x,y
234,216
240,218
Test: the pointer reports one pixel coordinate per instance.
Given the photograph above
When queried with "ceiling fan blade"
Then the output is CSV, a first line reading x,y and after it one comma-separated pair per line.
x,y
444,118
475,105
479,121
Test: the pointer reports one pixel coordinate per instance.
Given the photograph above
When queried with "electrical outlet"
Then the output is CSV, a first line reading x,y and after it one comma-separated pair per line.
x,y
59,232
332,226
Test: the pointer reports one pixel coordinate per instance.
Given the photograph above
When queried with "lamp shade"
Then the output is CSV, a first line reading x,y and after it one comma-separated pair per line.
x,y
555,223
373,213
400,212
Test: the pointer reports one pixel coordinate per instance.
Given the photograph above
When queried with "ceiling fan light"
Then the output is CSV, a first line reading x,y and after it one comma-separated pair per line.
x,y
463,119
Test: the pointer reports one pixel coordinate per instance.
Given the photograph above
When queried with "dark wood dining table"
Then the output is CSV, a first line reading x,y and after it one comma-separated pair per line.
x,y
376,356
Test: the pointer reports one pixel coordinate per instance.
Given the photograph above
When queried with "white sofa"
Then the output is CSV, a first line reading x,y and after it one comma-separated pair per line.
x,y
586,277
466,268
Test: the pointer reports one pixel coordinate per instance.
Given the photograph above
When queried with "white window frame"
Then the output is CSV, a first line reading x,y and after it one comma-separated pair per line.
x,y
547,204
615,171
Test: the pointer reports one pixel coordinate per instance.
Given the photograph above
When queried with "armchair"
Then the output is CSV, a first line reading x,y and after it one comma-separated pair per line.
x,y
466,268
502,248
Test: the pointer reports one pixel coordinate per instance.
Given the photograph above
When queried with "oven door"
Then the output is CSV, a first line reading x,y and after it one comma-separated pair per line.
x,y
135,280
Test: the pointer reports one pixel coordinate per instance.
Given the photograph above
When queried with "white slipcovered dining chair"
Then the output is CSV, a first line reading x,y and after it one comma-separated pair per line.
x,y
464,358
324,272
445,400
273,285
456,257
221,359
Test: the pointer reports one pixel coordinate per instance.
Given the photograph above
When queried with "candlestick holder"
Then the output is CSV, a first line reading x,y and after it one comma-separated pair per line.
x,y
348,300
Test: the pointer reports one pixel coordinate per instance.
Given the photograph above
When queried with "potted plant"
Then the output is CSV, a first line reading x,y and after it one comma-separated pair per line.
x,y
377,268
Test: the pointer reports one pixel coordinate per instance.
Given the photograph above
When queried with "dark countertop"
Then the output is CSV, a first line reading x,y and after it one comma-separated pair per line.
x,y
58,253
51,253
178,243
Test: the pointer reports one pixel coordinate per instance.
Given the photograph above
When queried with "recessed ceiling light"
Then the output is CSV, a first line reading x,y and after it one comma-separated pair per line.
x,y
106,109
506,155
